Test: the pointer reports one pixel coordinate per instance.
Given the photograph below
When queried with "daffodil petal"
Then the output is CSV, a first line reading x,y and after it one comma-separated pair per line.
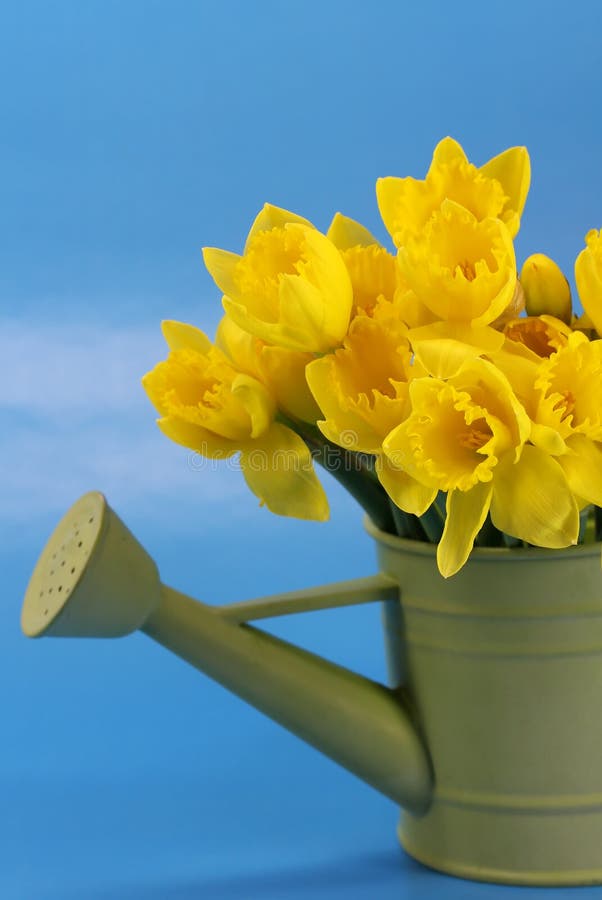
x,y
483,337
407,493
466,512
221,265
197,438
582,466
285,372
302,306
270,332
346,233
238,345
512,169
588,275
273,217
178,336
351,433
257,401
533,501
547,439
444,358
443,347
446,151
328,272
278,468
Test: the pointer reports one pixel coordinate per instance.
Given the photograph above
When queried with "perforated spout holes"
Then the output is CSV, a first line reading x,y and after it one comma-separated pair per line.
x,y
62,563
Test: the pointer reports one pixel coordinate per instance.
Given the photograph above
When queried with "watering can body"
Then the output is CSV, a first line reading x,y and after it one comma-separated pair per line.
x,y
488,733
503,665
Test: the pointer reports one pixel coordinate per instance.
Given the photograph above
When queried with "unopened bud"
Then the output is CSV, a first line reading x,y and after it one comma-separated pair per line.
x,y
547,292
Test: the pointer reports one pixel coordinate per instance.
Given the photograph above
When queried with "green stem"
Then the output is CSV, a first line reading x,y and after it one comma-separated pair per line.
x,y
489,535
511,542
598,520
584,519
433,523
401,521
407,525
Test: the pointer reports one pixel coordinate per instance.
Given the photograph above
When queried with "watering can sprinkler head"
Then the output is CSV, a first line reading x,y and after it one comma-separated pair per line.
x,y
93,579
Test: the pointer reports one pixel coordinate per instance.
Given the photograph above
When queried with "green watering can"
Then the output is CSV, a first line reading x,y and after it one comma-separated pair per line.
x,y
490,735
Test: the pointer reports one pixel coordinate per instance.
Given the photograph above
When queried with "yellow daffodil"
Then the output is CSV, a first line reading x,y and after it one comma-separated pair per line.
x,y
290,287
463,272
362,387
562,394
496,190
462,269
467,437
362,390
372,269
375,275
588,275
547,292
206,404
282,370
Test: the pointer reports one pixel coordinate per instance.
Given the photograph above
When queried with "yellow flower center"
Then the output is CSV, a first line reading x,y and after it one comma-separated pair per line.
x,y
468,270
475,437
270,255
452,441
461,181
460,268
467,249
570,382
375,359
197,388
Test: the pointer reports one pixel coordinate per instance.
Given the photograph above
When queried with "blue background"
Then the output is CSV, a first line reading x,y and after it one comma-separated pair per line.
x,y
133,133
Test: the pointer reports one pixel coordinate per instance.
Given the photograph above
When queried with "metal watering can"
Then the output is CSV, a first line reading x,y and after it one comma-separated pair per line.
x,y
490,736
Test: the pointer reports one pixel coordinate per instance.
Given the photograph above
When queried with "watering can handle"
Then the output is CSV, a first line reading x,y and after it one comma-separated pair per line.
x,y
373,589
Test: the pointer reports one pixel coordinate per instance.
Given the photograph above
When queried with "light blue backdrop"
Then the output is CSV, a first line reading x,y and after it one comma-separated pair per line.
x,y
133,133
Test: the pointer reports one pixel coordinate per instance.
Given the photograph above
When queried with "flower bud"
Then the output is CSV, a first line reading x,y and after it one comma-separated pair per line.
x,y
547,291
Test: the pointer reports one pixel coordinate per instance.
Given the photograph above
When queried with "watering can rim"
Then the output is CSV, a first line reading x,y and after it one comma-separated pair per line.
x,y
482,554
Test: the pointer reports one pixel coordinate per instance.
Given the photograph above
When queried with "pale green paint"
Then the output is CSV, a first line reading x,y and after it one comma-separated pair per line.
x,y
503,665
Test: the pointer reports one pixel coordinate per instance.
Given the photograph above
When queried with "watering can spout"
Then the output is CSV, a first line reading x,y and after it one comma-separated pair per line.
x,y
94,579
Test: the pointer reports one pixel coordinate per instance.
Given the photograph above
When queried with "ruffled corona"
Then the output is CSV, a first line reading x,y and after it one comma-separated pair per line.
x,y
467,437
362,387
461,268
496,190
290,287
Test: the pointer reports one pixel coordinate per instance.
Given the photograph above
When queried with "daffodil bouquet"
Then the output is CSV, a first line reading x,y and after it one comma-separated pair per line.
x,y
457,401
